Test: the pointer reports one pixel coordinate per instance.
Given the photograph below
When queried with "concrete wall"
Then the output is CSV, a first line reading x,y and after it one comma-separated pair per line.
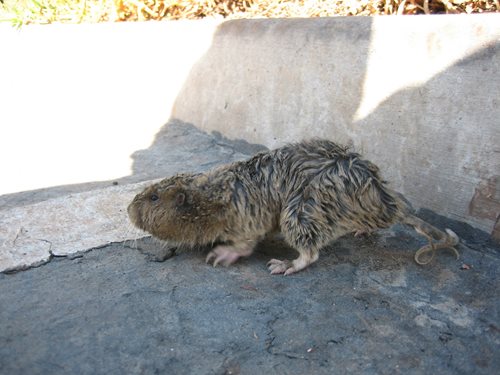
x,y
417,95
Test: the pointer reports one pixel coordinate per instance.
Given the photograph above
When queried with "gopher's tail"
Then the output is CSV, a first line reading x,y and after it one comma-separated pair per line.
x,y
444,240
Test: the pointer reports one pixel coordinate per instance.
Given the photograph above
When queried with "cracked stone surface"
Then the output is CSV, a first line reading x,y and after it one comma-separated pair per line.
x,y
63,226
138,307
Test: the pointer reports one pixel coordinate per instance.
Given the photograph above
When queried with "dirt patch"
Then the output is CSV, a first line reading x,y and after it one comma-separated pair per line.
x,y
49,11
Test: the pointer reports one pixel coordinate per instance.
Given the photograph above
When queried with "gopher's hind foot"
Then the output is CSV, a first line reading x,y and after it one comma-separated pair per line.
x,y
287,267
224,255
277,266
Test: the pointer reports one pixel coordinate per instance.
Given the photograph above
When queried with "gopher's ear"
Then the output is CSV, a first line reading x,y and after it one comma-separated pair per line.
x,y
180,198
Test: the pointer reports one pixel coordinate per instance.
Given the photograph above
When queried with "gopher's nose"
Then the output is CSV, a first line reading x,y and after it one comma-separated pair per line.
x,y
133,214
129,208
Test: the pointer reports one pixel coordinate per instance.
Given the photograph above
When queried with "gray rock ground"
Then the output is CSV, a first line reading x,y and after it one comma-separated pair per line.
x,y
364,307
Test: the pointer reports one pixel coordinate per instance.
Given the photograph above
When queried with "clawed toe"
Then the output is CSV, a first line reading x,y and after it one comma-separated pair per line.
x,y
222,256
284,267
276,266
211,255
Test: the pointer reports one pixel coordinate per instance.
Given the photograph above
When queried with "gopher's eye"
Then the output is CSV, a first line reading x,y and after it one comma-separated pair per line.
x,y
154,197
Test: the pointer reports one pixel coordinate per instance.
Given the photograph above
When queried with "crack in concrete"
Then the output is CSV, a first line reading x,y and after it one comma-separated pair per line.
x,y
11,271
269,342
271,337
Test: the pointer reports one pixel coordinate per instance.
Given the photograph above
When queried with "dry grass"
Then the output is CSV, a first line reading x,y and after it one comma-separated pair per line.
x,y
76,11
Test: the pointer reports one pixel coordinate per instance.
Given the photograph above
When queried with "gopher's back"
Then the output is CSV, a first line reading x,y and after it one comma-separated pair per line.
x,y
317,183
337,192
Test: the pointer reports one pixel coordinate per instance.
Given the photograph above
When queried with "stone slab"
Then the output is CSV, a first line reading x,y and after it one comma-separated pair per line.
x,y
30,235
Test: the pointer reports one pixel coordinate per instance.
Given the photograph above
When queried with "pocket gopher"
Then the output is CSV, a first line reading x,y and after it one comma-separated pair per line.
x,y
313,192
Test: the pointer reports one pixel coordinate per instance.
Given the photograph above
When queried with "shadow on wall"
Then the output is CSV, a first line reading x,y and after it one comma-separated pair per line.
x,y
271,76
256,67
181,147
